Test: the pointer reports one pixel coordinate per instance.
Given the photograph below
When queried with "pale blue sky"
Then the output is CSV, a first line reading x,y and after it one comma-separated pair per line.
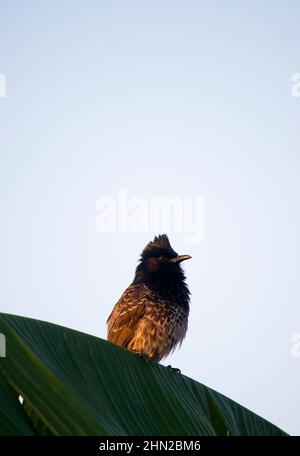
x,y
166,98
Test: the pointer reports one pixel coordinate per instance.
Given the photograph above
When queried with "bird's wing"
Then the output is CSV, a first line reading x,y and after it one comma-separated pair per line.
x,y
126,314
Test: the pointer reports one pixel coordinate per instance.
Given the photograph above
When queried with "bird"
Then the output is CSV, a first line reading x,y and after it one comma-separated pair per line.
x,y
151,316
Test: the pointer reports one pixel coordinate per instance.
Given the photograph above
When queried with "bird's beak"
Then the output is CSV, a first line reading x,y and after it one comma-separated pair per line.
x,y
179,259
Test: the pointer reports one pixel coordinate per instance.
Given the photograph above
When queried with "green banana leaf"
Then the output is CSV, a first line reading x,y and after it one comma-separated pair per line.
x,y
71,383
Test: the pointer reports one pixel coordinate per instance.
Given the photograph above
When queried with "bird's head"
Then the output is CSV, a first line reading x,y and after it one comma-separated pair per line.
x,y
159,260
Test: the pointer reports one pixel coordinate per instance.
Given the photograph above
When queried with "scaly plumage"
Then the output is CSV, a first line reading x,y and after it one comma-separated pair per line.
x,y
151,317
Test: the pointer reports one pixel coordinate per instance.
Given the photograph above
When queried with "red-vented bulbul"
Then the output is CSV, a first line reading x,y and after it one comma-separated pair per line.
x,y
151,317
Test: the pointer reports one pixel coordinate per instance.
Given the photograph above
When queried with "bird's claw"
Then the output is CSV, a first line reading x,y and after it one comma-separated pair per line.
x,y
143,356
174,369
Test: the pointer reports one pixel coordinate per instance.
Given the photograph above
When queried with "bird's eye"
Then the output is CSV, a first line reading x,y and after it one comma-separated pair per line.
x,y
162,258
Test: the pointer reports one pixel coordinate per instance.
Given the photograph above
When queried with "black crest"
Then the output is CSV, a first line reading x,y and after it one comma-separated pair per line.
x,y
159,244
